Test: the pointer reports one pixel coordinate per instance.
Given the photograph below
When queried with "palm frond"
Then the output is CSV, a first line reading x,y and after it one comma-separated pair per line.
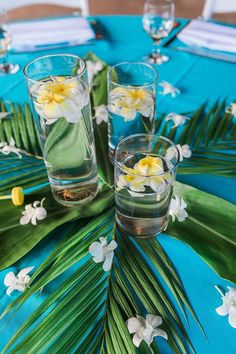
x,y
211,135
91,299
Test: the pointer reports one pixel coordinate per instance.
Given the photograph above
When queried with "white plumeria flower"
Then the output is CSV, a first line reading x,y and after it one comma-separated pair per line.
x,y
177,209
231,109
33,212
229,305
103,252
17,282
184,152
93,68
60,98
169,89
178,119
145,330
4,115
101,114
127,102
6,148
144,173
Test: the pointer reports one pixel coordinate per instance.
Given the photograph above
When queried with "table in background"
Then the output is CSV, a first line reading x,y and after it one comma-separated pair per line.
x,y
200,80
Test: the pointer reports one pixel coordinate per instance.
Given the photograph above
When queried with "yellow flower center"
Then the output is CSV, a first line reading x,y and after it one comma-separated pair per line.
x,y
54,92
149,162
137,94
129,178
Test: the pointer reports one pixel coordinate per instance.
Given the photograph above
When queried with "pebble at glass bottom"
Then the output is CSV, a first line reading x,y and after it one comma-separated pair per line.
x,y
131,101
144,180
58,89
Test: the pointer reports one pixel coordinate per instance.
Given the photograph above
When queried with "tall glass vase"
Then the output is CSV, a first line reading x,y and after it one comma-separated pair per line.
x,y
58,88
131,101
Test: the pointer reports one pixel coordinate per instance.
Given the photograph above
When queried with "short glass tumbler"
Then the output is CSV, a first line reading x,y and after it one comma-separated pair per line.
x,y
145,170
131,101
58,88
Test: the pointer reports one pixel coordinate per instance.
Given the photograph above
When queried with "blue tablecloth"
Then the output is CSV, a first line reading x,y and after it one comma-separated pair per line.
x,y
199,79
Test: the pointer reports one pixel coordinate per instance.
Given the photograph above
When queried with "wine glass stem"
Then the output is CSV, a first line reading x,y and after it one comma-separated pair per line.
x,y
4,59
156,46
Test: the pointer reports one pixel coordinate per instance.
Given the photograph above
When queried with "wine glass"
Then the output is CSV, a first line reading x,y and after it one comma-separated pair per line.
x,y
5,46
158,21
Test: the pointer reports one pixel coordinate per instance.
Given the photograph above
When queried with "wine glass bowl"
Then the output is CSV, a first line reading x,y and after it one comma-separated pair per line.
x,y
158,21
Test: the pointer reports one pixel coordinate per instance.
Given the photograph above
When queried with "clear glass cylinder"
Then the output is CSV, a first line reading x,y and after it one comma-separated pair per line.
x,y
131,101
145,170
58,88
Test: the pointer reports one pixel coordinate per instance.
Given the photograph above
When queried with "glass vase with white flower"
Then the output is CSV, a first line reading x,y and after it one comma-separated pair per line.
x,y
144,179
131,101
58,88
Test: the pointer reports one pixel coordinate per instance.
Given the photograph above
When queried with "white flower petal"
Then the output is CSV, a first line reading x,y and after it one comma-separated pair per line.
x,y
137,340
232,316
12,142
222,310
24,272
157,183
103,241
9,279
133,325
108,261
40,213
9,290
148,335
96,251
20,286
153,320
25,219
136,194
33,220
4,115
112,246
231,291
70,111
159,332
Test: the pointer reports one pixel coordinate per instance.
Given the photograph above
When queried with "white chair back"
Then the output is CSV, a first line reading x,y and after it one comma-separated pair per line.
x,y
14,4
217,6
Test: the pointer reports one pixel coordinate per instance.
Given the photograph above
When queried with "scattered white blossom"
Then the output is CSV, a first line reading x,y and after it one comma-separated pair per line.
x,y
101,114
103,252
177,119
4,115
169,89
6,148
93,68
184,152
127,102
231,109
229,305
177,209
145,330
33,212
17,282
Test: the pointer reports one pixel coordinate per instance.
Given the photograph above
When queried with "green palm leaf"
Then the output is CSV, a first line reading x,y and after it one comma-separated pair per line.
x,y
90,297
211,135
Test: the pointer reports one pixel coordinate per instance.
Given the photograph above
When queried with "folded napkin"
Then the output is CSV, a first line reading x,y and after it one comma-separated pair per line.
x,y
50,33
209,35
